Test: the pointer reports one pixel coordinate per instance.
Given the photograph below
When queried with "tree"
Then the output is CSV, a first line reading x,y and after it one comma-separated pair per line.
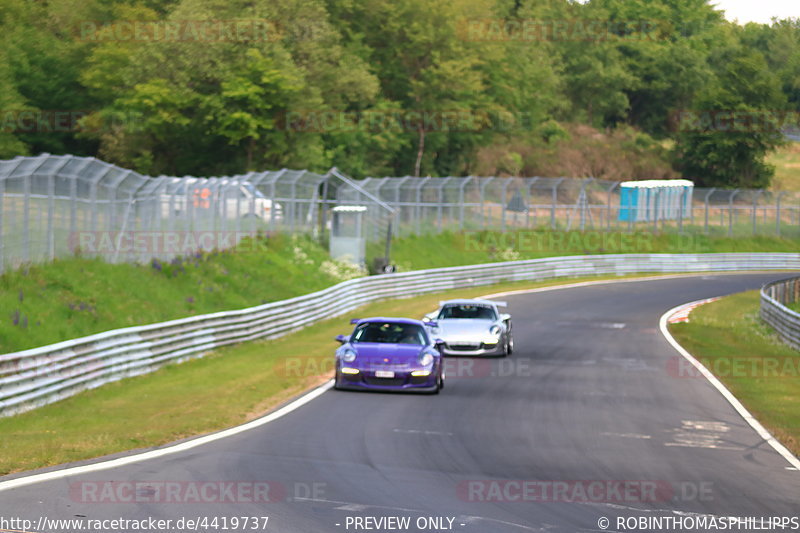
x,y
725,142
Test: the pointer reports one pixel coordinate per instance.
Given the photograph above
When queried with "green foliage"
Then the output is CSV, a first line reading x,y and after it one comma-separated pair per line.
x,y
191,105
74,297
719,154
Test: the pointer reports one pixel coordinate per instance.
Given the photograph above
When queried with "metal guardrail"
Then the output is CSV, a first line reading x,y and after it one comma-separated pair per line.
x,y
36,377
774,297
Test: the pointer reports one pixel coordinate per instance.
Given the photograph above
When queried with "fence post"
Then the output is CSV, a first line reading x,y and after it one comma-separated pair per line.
x,y
730,212
553,204
26,235
461,202
705,200
504,200
755,209
2,240
778,214
608,207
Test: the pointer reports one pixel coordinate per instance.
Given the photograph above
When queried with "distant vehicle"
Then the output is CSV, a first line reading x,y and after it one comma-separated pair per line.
x,y
237,200
472,327
389,354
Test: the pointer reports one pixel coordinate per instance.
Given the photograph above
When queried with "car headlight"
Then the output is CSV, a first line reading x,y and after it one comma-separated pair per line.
x,y
426,359
348,355
494,330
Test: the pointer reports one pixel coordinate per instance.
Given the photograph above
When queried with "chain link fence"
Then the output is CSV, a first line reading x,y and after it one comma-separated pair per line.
x,y
492,203
56,206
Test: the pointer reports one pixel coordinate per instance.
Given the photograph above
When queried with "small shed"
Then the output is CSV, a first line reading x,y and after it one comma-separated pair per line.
x,y
347,234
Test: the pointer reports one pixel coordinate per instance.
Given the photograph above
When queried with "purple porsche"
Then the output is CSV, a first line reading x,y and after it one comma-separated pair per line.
x,y
389,354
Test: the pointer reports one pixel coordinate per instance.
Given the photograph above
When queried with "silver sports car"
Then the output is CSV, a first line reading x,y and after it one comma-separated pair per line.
x,y
472,327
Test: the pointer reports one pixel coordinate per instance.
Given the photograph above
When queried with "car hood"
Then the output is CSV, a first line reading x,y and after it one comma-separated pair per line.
x,y
462,329
379,354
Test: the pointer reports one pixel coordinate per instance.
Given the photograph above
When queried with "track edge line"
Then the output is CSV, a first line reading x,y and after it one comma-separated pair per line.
x,y
722,389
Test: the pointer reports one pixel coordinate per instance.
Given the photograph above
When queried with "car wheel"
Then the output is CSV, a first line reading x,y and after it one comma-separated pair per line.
x,y
336,381
510,349
439,385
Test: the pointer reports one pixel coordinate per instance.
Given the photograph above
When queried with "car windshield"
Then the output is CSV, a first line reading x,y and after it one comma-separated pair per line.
x,y
390,333
480,312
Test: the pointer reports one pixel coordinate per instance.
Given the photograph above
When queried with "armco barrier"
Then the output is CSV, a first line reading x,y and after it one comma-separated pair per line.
x,y
774,297
35,377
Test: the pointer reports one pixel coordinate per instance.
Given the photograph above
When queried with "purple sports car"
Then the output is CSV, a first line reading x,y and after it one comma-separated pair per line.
x,y
389,354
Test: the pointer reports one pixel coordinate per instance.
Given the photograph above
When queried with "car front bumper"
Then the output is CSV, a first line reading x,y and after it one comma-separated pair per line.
x,y
402,381
454,349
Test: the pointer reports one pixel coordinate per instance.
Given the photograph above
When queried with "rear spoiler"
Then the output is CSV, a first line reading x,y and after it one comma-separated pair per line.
x,y
487,302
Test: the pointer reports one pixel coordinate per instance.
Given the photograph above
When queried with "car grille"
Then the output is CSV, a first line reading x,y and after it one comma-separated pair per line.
x,y
464,347
384,382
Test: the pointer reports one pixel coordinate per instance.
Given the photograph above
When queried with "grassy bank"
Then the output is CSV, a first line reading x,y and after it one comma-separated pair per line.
x,y
70,298
225,388
74,297
746,355
787,167
454,249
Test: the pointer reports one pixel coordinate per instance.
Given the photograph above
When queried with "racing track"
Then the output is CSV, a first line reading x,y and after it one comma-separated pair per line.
x,y
592,396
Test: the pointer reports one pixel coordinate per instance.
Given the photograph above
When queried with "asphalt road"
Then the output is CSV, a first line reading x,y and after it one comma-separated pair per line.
x,y
589,419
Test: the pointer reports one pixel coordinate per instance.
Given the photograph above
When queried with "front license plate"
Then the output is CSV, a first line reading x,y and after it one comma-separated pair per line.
x,y
384,374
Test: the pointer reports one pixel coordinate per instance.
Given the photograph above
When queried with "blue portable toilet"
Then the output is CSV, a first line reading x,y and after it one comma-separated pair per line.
x,y
648,200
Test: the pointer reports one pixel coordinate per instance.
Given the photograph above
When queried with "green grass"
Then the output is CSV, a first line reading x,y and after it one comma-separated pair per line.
x,y
787,167
69,298
225,388
454,249
728,337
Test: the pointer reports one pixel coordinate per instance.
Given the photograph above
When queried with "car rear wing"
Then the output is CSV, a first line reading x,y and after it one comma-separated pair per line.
x,y
485,302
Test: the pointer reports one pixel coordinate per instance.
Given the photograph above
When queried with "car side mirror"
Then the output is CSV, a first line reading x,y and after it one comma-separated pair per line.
x,y
505,317
341,338
430,317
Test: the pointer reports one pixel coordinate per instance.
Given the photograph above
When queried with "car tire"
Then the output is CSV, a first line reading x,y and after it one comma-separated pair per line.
x,y
510,345
336,385
439,385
